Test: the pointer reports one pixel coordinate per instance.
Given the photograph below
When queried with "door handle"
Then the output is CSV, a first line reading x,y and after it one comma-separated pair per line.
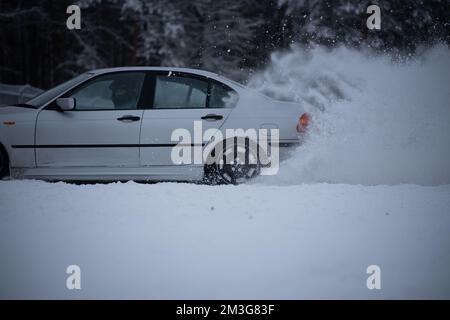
x,y
129,118
212,117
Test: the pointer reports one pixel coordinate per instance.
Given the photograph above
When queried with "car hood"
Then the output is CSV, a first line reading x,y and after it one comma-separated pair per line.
x,y
18,112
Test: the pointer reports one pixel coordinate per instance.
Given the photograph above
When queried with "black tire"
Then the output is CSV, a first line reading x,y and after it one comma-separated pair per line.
x,y
4,162
236,172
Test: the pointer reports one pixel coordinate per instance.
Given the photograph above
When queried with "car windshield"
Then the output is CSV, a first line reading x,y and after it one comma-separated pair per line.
x,y
46,96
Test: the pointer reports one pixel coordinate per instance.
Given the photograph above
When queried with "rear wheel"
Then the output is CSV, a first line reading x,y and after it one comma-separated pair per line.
x,y
236,164
4,163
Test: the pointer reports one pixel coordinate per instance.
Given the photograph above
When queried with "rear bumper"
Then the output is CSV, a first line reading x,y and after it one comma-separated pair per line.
x,y
286,147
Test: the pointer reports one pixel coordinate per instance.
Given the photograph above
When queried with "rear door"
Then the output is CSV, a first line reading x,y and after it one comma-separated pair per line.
x,y
102,130
179,100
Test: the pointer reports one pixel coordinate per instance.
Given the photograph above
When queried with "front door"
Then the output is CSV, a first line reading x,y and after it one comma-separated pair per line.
x,y
102,130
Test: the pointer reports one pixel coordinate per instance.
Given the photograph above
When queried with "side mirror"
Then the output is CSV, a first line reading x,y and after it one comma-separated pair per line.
x,y
66,104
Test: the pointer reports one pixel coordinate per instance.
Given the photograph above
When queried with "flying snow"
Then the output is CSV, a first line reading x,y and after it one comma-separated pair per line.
x,y
375,121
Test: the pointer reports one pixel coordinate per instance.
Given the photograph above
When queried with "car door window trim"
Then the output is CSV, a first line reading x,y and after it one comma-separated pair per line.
x,y
147,96
141,101
210,82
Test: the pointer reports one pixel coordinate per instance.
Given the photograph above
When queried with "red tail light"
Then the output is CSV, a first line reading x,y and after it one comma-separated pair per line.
x,y
303,122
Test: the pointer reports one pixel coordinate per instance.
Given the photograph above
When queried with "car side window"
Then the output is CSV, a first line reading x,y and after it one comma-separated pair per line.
x,y
222,96
175,92
117,91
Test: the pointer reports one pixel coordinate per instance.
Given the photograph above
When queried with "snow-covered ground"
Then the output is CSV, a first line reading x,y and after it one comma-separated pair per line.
x,y
371,186
256,241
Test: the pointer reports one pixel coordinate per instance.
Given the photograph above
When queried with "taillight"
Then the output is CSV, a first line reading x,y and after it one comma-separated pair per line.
x,y
303,122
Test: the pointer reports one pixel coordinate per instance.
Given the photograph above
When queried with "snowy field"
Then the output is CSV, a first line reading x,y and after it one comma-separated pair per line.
x,y
189,241
371,186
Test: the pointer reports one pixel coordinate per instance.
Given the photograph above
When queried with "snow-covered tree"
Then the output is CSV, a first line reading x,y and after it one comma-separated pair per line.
x,y
405,24
232,37
157,30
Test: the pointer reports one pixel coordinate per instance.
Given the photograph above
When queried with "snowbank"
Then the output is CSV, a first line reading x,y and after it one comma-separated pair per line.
x,y
190,241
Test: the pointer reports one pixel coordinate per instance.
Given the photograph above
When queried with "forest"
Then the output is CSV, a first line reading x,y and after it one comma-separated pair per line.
x,y
230,37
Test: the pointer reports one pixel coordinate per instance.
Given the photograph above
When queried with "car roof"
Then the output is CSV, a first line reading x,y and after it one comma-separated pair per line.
x,y
187,70
199,72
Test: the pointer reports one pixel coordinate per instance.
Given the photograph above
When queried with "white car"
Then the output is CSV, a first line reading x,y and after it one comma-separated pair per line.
x,y
118,124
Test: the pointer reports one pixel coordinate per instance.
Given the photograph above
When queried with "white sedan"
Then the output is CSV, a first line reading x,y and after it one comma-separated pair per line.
x,y
124,124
